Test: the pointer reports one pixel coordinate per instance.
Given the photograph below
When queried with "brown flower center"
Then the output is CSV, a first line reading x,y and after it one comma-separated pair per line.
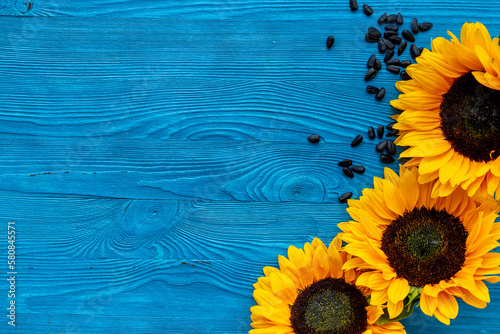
x,y
470,119
425,245
329,306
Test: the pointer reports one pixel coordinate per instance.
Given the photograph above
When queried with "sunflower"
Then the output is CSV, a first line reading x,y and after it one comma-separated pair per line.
x,y
451,113
310,293
411,244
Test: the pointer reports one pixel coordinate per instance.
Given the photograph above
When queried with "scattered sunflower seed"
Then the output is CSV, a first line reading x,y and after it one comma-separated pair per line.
x,y
313,139
390,125
367,10
405,63
404,75
371,61
380,131
388,55
374,32
370,74
414,51
393,69
391,148
357,140
395,39
393,61
386,158
381,46
382,18
390,33
358,169
370,39
391,18
408,35
345,196
392,133
371,131
381,93
381,146
329,41
377,64
388,43
345,163
372,90
414,26
399,19
424,26
391,27
353,4
348,172
402,47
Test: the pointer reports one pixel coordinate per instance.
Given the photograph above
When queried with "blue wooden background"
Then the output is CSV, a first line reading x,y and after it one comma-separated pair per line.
x,y
154,154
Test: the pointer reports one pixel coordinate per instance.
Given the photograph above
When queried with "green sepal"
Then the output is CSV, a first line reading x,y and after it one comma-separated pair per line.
x,y
410,301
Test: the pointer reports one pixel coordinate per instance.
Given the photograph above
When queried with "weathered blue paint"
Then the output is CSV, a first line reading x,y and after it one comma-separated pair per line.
x,y
154,156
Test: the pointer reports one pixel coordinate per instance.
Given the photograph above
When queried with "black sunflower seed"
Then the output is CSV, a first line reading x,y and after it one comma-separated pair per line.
x,y
381,146
388,43
370,61
414,51
357,140
382,18
391,148
391,27
377,64
367,10
348,172
391,18
408,35
370,74
424,26
374,32
370,39
345,196
390,125
386,158
329,41
381,47
388,55
372,90
402,47
421,49
371,131
395,39
405,63
393,69
358,169
392,133
345,163
381,93
313,139
414,26
353,4
399,19
393,61
390,33
404,75
380,131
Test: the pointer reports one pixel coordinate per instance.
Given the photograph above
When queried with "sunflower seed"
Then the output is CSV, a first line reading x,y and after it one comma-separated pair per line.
x,y
390,125
393,61
381,93
388,55
391,148
345,196
408,35
370,61
382,18
370,74
392,133
380,131
393,69
381,146
329,41
391,27
399,19
390,33
386,158
370,39
402,47
345,163
421,49
388,43
424,26
404,75
372,90
313,139
374,32
353,4
358,169
395,39
405,63
381,47
367,10
414,26
371,131
377,64
348,172
391,18
414,51
357,140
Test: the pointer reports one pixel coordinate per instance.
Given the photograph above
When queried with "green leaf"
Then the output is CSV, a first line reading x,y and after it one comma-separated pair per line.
x,y
407,311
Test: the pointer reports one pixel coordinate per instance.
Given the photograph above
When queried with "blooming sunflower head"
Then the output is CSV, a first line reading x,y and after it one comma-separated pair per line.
x,y
413,245
310,293
451,113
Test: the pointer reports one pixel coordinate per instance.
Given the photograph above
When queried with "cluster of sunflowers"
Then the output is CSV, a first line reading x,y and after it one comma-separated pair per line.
x,y
425,236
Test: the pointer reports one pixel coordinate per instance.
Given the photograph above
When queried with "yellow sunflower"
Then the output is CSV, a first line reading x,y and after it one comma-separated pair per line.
x,y
451,113
310,293
413,245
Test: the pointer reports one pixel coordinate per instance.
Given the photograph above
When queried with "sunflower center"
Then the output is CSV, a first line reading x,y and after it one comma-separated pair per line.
x,y
470,119
329,306
425,246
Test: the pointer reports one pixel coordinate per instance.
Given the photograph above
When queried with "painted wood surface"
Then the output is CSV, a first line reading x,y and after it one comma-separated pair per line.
x,y
154,155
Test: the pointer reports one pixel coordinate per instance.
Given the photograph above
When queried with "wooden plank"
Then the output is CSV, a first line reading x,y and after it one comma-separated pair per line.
x,y
242,171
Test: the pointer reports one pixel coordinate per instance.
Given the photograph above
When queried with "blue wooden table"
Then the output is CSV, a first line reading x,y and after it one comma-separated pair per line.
x,y
154,155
